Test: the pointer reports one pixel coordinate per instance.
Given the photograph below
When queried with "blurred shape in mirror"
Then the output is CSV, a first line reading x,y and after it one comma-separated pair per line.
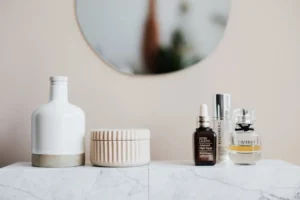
x,y
152,36
151,39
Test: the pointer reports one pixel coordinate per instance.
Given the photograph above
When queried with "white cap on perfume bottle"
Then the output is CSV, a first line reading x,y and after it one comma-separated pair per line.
x,y
242,115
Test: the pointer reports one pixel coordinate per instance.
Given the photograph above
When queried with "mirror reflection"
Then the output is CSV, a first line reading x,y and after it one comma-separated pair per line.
x,y
152,36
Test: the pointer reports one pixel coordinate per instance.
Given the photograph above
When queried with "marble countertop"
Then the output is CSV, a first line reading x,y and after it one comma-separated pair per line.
x,y
164,180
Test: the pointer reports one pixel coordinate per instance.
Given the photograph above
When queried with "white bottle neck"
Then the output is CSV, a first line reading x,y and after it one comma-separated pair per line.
x,y
59,92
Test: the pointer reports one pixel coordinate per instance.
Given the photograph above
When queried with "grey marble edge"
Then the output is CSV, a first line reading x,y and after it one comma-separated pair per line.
x,y
158,164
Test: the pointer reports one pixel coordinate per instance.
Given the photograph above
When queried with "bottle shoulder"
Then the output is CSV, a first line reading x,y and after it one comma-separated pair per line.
x,y
205,131
57,108
75,108
41,109
245,132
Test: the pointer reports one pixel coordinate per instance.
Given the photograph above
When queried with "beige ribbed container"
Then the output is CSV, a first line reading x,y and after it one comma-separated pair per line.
x,y
120,147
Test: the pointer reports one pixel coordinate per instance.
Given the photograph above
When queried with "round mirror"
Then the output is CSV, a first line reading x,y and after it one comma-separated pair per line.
x,y
152,36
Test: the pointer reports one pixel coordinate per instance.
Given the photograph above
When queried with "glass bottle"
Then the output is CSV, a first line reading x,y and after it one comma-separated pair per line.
x,y
245,147
222,125
205,140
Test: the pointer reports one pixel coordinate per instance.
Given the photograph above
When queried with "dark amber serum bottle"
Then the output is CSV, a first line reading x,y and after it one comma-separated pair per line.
x,y
205,140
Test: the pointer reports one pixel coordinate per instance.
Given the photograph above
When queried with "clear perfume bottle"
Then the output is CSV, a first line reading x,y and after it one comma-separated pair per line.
x,y
245,147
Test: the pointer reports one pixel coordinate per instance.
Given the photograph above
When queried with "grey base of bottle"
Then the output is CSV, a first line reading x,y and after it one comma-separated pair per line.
x,y
57,161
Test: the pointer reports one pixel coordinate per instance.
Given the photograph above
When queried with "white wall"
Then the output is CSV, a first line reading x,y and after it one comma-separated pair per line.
x,y
257,62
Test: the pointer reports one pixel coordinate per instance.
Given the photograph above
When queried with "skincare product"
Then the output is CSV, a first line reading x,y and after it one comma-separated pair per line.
x,y
58,129
205,140
245,147
222,124
120,147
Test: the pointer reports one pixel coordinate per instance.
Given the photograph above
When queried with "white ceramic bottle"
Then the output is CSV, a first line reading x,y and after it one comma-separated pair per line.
x,y
58,129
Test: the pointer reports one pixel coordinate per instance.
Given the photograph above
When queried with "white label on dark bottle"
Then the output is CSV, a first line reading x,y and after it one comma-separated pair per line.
x,y
205,149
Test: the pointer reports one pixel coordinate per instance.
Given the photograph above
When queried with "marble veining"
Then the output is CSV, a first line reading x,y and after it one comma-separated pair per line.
x,y
80,183
269,180
177,180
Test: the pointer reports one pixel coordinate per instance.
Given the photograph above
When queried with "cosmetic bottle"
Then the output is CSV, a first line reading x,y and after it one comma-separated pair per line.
x,y
205,140
245,147
222,125
58,129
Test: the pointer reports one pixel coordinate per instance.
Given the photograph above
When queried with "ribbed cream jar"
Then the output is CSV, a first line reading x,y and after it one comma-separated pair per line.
x,y
120,147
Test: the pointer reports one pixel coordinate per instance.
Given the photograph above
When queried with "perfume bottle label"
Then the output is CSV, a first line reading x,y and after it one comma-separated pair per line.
x,y
245,143
205,149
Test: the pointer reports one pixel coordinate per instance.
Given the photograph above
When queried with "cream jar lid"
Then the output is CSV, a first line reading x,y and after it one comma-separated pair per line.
x,y
120,134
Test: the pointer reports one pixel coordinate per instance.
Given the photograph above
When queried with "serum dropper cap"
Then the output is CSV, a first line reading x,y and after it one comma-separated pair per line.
x,y
204,118
203,110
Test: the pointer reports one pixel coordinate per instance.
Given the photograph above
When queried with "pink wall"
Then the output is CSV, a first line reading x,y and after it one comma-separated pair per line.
x,y
257,62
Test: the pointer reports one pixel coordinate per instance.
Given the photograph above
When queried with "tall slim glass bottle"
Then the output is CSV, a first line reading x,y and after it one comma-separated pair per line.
x,y
222,124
